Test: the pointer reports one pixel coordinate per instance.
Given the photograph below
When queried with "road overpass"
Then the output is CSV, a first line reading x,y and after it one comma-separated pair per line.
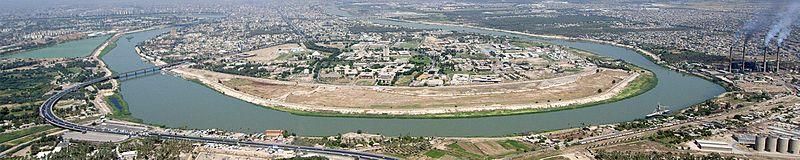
x,y
46,111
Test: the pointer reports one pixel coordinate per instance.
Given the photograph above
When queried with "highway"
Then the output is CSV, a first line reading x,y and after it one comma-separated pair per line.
x,y
46,111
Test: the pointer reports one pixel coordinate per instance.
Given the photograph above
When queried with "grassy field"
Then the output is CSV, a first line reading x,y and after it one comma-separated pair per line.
x,y
21,133
435,153
458,151
516,145
480,150
108,49
405,80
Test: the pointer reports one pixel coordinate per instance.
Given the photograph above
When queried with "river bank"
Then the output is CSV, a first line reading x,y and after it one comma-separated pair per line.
x,y
82,47
177,103
109,101
633,85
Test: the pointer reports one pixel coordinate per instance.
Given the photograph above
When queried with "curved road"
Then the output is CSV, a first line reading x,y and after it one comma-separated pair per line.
x,y
46,111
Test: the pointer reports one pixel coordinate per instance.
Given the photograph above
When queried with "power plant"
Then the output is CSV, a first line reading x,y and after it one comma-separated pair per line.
x,y
753,66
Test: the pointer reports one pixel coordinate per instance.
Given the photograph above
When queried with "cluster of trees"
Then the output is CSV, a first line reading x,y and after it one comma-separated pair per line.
x,y
606,63
673,55
31,85
28,87
147,148
314,46
20,115
704,109
16,64
670,137
247,69
636,124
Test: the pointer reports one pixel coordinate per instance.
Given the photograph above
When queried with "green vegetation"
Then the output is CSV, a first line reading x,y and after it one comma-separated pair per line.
x,y
457,151
108,48
405,80
24,132
642,84
527,44
435,153
29,84
682,135
635,124
516,145
672,55
120,108
420,60
314,46
147,148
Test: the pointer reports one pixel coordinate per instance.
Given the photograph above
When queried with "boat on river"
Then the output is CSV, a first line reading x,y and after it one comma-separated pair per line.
x,y
659,111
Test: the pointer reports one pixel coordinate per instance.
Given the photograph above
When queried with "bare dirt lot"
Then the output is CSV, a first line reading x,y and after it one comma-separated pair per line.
x,y
271,53
416,97
585,87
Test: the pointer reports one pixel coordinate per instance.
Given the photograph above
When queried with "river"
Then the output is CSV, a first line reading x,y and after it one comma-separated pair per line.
x,y
71,49
175,102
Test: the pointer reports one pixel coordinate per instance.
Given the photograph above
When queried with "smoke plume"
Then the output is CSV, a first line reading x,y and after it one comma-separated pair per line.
x,y
782,28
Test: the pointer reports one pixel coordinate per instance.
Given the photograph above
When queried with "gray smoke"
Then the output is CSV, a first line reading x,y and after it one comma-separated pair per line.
x,y
752,26
783,27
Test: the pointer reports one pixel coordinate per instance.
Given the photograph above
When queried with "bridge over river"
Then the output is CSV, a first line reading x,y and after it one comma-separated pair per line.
x,y
46,111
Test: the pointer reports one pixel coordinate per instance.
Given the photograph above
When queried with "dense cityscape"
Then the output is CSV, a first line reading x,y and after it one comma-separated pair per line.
x,y
353,79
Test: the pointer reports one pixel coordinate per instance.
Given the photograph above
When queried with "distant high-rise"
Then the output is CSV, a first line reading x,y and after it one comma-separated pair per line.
x,y
173,32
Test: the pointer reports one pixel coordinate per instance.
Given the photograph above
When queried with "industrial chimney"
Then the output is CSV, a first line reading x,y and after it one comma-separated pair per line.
x,y
778,59
766,47
730,58
744,52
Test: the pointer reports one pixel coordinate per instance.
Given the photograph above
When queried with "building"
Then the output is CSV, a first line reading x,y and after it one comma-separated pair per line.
x,y
746,139
713,145
273,133
173,32
127,155
360,137
385,78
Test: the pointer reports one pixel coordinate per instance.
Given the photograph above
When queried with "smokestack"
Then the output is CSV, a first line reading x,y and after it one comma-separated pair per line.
x,y
766,47
730,58
778,59
744,52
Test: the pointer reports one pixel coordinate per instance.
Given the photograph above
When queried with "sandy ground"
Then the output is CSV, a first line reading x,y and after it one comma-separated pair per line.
x,y
578,89
271,53
99,99
238,154
761,87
